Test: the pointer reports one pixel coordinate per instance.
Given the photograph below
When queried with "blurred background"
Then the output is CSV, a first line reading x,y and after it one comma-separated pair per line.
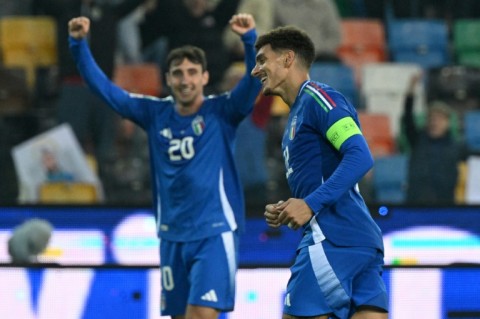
x,y
411,68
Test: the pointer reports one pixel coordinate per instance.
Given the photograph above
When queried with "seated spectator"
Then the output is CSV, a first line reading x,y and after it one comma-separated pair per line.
x,y
435,154
92,121
319,18
250,150
191,22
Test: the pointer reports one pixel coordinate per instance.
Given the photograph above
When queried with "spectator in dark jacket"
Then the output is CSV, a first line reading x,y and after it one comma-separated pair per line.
x,y
435,154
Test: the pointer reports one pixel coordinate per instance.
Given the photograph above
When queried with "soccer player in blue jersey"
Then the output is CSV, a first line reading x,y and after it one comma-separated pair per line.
x,y
198,199
338,267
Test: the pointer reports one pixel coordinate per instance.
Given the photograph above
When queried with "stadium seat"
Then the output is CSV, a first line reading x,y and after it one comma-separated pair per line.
x,y
376,130
390,179
363,41
466,42
383,90
67,192
143,78
421,41
472,130
28,42
339,76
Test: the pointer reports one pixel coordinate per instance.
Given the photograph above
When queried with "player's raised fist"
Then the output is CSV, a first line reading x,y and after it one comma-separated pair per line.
x,y
241,23
78,27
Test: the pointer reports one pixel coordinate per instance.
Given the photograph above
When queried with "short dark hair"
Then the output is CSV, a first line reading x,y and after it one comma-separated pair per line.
x,y
192,53
289,38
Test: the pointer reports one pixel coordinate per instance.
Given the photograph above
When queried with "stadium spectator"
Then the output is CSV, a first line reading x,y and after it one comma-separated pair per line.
x,y
319,18
262,11
250,147
92,121
435,153
175,23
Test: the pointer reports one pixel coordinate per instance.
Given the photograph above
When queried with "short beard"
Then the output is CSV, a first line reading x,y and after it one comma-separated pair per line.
x,y
268,92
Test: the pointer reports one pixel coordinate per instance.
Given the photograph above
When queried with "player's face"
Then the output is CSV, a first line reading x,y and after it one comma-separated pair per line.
x,y
187,80
270,69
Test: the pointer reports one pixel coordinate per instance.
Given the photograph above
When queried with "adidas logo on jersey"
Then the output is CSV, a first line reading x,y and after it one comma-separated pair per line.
x,y
167,133
210,296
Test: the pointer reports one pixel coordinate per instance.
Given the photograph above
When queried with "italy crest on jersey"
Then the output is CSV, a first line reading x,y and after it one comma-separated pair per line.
x,y
198,125
293,125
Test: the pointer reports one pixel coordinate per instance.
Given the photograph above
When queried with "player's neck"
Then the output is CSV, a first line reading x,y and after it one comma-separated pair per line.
x,y
186,109
292,89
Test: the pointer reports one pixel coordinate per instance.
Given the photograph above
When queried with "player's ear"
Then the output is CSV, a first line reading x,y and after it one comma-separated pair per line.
x,y
205,77
167,78
289,56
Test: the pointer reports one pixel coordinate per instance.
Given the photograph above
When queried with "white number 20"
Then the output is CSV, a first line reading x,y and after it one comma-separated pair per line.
x,y
181,149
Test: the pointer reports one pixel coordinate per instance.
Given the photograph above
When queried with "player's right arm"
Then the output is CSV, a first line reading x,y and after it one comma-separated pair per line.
x,y
120,100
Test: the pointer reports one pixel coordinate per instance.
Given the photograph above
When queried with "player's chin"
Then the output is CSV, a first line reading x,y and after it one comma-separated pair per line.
x,y
268,91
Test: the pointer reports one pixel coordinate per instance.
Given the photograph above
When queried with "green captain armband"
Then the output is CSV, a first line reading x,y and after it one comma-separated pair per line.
x,y
341,130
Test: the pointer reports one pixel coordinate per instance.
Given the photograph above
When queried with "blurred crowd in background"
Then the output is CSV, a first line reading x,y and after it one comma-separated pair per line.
x,y
411,69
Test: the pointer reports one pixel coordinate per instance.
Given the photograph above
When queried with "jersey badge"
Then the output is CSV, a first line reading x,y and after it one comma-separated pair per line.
x,y
291,134
198,125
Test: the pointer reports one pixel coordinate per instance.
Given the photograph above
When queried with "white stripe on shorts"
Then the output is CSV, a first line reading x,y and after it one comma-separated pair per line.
x,y
229,244
328,282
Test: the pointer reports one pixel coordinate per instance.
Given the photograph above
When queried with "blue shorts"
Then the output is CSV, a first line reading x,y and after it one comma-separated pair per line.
x,y
200,273
327,279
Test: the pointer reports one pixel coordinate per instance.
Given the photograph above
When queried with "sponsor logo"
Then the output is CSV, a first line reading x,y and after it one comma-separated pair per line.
x,y
210,296
166,132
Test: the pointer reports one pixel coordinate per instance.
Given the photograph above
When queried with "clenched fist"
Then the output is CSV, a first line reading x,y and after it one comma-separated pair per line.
x,y
242,23
78,27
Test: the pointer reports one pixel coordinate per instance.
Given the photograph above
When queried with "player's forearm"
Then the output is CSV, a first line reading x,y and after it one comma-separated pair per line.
x,y
249,39
247,89
356,162
96,80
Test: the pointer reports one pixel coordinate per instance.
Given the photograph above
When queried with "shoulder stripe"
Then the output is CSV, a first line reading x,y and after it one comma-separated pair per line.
x,y
316,98
322,91
322,95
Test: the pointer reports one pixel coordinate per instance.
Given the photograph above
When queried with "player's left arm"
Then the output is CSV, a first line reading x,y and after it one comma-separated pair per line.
x,y
242,97
356,160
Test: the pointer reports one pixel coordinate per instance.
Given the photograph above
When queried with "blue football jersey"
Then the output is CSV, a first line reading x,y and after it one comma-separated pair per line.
x,y
197,192
325,156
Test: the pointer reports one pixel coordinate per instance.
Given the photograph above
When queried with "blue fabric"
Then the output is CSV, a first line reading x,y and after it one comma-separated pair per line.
x,y
327,279
208,264
326,178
